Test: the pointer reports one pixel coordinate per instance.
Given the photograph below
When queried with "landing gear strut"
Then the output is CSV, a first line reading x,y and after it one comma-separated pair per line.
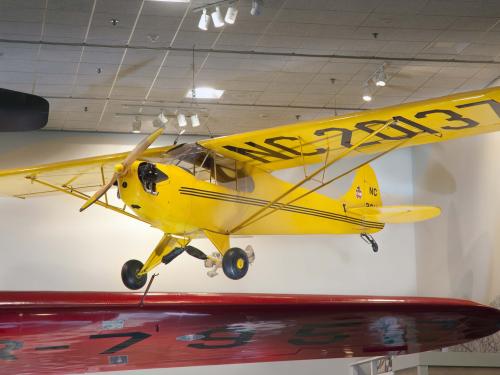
x,y
368,238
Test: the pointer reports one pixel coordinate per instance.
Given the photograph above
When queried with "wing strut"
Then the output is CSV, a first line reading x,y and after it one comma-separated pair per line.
x,y
323,184
314,174
75,193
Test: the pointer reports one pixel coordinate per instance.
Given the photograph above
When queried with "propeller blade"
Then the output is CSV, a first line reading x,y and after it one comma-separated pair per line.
x,y
121,169
139,149
99,193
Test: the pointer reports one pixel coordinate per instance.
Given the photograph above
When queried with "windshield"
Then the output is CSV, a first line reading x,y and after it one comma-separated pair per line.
x,y
208,166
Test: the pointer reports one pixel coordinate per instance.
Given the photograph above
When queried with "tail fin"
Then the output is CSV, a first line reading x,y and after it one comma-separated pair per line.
x,y
363,198
364,191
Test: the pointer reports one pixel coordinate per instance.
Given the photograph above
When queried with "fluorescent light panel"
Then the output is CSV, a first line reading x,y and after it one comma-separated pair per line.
x,y
205,93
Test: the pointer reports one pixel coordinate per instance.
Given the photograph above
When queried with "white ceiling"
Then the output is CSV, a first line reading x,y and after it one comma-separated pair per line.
x,y
265,85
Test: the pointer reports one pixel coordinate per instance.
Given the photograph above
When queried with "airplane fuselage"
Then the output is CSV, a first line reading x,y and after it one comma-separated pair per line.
x,y
183,204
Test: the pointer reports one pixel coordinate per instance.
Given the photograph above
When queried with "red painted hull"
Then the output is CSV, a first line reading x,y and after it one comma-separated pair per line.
x,y
57,332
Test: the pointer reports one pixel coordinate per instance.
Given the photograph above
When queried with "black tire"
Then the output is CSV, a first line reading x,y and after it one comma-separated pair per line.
x,y
235,263
129,275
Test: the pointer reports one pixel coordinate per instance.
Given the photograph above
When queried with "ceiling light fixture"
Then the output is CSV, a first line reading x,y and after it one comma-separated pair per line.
x,y
231,14
367,95
217,17
380,77
204,93
256,7
204,20
136,125
181,120
195,121
160,121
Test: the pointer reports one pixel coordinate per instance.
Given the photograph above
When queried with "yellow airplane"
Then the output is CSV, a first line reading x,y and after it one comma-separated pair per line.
x,y
224,186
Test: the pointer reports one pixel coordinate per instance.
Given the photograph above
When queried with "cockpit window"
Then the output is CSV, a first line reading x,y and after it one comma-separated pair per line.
x,y
211,167
149,176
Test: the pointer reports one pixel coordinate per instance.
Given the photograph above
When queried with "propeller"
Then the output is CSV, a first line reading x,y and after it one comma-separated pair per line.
x,y
122,168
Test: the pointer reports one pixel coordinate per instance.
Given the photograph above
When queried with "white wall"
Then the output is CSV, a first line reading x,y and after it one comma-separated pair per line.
x,y
458,254
48,245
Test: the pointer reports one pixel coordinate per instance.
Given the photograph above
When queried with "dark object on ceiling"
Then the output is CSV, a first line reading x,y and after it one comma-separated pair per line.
x,y
22,112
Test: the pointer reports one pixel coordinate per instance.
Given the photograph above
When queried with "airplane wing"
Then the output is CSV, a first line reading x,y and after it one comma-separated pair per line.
x,y
410,124
74,332
83,174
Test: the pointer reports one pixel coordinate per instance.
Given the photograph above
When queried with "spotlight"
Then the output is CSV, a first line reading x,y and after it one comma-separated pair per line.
x,y
160,121
204,20
380,77
367,95
217,17
163,119
256,7
181,120
195,121
136,125
231,14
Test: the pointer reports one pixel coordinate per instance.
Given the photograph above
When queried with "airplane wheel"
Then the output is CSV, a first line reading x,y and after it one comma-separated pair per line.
x,y
235,263
129,275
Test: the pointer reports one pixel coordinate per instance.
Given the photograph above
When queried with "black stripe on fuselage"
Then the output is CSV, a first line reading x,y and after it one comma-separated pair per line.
x,y
290,208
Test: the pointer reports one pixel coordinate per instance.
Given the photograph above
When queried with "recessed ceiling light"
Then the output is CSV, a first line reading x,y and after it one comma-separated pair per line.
x,y
114,21
204,93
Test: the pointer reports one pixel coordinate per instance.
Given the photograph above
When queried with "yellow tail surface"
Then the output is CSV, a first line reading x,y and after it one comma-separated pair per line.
x,y
364,199
364,191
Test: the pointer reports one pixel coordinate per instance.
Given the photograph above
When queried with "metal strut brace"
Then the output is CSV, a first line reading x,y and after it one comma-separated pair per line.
x,y
338,177
311,176
147,289
78,194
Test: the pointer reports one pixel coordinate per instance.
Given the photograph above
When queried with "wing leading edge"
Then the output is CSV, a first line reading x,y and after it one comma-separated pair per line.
x,y
427,121
60,332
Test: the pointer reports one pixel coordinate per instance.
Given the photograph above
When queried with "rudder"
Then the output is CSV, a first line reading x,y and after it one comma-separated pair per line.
x,y
364,191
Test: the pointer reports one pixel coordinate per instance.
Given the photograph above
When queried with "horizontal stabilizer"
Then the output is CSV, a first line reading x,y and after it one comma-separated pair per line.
x,y
397,214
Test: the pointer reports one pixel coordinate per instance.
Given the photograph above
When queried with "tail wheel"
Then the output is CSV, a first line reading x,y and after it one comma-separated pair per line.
x,y
129,275
235,263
